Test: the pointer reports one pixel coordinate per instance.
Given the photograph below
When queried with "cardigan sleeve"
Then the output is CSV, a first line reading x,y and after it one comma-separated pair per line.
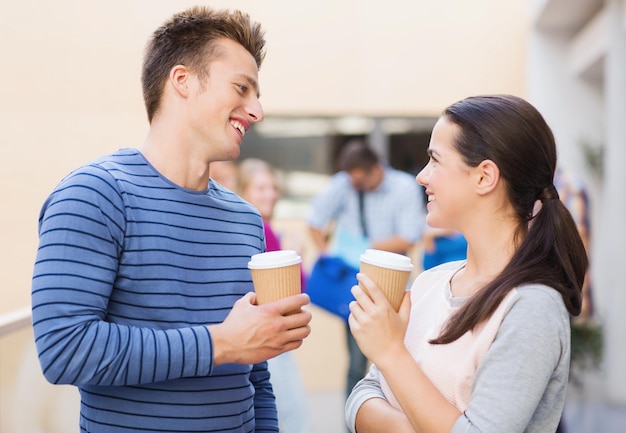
x,y
521,382
365,389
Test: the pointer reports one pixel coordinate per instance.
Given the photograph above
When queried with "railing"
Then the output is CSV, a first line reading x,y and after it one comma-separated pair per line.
x,y
32,404
14,321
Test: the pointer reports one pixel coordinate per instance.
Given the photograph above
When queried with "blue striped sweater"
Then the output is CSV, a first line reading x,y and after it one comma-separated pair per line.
x,y
129,271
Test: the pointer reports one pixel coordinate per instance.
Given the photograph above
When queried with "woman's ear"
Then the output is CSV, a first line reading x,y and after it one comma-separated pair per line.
x,y
487,177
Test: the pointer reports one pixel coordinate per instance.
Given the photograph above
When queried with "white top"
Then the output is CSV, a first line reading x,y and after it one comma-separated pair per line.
x,y
451,367
516,380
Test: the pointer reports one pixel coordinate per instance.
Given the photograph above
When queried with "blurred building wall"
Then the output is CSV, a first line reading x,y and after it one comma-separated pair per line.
x,y
577,78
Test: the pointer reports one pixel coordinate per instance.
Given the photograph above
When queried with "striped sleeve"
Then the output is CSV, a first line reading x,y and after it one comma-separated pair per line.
x,y
81,230
264,400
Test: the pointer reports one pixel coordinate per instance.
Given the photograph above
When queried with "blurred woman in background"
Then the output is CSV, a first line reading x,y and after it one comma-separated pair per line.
x,y
257,183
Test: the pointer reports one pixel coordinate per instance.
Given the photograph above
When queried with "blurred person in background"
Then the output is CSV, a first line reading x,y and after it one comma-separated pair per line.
x,y
441,245
573,194
367,204
483,344
257,183
141,294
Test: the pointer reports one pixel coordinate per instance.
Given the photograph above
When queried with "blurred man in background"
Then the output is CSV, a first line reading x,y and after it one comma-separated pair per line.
x,y
368,204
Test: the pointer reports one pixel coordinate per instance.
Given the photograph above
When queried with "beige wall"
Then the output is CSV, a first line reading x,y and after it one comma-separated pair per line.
x,y
70,86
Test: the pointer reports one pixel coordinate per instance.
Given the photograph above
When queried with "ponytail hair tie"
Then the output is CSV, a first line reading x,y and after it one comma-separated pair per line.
x,y
549,193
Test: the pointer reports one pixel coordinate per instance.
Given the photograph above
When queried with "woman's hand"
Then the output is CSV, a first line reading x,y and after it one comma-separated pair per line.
x,y
376,326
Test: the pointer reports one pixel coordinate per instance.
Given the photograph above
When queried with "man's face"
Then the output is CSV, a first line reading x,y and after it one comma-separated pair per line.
x,y
366,180
225,104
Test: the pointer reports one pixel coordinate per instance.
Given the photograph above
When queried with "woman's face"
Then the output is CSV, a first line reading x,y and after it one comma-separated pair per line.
x,y
446,178
262,192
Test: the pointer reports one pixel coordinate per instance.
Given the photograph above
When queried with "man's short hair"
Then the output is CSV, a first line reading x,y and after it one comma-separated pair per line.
x,y
356,154
188,38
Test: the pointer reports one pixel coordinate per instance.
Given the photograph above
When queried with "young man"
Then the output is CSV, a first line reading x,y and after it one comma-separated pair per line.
x,y
141,293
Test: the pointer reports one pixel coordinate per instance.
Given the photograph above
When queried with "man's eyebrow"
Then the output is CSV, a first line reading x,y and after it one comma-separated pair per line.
x,y
252,83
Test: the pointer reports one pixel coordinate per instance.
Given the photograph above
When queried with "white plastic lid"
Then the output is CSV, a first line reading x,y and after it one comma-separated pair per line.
x,y
386,259
274,259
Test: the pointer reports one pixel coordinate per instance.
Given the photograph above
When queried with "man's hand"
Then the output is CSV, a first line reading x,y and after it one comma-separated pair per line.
x,y
254,333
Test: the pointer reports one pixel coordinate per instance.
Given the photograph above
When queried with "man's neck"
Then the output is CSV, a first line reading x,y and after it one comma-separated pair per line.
x,y
175,159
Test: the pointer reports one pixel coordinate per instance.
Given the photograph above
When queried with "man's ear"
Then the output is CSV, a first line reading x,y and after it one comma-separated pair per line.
x,y
487,177
179,80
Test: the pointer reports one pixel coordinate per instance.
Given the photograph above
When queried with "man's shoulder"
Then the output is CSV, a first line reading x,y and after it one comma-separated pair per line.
x,y
112,162
122,158
399,182
339,181
399,174
340,176
106,170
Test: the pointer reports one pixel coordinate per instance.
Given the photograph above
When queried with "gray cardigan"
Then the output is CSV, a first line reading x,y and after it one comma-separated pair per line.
x,y
521,382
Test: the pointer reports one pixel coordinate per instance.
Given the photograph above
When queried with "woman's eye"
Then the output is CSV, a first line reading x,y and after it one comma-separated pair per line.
x,y
242,87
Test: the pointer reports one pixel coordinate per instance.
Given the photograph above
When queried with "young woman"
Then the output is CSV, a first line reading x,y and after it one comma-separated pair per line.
x,y
482,344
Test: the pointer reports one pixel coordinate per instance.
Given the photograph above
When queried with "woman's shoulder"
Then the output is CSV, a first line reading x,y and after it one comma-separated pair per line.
x,y
539,296
437,276
538,304
447,268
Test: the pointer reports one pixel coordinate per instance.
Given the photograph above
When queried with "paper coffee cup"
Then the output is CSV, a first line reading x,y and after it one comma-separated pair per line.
x,y
275,275
390,272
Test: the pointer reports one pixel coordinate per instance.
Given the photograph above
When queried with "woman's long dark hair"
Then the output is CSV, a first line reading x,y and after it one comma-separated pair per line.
x,y
512,133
